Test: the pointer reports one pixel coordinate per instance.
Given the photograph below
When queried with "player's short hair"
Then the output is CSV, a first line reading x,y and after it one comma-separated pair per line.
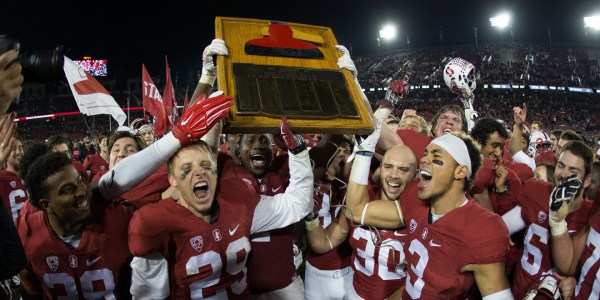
x,y
485,127
38,173
453,108
199,145
121,134
580,149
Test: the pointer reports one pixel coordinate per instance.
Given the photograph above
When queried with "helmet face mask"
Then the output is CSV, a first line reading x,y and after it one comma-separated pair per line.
x,y
459,76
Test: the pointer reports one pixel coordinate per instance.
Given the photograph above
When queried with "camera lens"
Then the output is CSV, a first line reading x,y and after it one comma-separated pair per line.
x,y
42,65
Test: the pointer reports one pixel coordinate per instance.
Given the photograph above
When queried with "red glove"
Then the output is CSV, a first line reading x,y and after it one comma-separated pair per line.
x,y
199,118
294,143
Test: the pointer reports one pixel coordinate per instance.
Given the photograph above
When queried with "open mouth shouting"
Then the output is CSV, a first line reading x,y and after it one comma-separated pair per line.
x,y
425,178
201,191
258,160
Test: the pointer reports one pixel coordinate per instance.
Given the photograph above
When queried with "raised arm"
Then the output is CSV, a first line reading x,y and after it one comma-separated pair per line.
x,y
388,138
296,202
566,251
515,144
209,69
196,121
381,214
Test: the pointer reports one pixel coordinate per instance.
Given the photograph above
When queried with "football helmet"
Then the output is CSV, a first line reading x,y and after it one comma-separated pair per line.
x,y
459,76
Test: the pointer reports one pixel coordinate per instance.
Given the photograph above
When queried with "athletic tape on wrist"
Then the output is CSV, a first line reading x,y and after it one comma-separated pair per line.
x,y
207,79
311,225
557,228
360,169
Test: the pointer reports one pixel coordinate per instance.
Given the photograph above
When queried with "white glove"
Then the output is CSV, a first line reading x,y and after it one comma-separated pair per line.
x,y
297,256
368,144
470,114
209,70
345,62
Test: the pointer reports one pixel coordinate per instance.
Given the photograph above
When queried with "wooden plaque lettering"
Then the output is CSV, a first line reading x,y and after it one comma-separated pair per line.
x,y
298,78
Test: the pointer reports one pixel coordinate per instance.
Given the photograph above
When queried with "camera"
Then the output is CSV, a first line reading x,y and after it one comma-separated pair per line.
x,y
38,65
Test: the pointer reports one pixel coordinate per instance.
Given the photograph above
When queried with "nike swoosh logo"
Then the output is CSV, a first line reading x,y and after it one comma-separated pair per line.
x,y
399,234
274,190
184,122
91,262
432,244
232,232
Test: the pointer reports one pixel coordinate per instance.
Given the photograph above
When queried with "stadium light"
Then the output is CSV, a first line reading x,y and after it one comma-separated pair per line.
x,y
501,21
592,22
388,32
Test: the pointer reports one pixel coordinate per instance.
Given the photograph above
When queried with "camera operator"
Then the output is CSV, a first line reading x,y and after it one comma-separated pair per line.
x,y
11,79
12,256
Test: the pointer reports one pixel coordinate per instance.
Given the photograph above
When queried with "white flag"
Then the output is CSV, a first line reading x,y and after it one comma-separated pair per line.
x,y
91,97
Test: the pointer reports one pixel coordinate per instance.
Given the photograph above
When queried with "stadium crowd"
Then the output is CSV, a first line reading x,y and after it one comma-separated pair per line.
x,y
436,203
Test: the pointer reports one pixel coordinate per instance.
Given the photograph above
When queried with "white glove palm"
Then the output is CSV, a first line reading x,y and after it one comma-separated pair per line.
x,y
345,62
216,47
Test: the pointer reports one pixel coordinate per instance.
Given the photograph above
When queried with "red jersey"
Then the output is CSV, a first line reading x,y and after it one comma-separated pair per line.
x,y
330,194
486,179
436,252
588,286
13,192
204,259
271,263
378,268
81,170
91,270
95,163
523,171
146,192
537,258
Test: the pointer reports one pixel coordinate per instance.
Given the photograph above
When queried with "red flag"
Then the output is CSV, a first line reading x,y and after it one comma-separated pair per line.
x,y
185,100
169,100
153,103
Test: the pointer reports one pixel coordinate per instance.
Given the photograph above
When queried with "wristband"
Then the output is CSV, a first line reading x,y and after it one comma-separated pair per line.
x,y
311,225
360,169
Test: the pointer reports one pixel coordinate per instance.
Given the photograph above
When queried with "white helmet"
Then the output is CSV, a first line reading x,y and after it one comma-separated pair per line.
x,y
538,138
459,76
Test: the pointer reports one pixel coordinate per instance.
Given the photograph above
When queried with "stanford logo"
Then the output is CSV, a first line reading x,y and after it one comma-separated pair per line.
x,y
52,262
413,225
197,243
73,261
13,184
263,188
424,233
542,216
217,235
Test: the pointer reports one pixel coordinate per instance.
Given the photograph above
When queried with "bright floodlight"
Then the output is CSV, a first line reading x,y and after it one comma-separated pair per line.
x,y
592,22
500,21
388,32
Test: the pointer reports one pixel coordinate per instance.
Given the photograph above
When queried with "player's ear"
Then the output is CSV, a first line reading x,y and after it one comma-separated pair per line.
x,y
45,205
172,181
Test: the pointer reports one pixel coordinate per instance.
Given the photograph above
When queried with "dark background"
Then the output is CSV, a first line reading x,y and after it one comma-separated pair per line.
x,y
131,33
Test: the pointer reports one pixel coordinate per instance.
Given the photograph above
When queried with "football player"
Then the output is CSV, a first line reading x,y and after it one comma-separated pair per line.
x,y
198,247
12,190
444,257
77,246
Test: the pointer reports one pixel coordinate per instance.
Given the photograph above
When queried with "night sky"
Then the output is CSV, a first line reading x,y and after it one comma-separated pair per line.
x,y
129,34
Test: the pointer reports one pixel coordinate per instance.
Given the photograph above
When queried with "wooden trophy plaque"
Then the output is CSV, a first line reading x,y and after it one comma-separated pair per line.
x,y
279,69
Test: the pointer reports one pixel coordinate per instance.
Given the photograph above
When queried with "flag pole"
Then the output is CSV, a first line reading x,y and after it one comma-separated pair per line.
x,y
128,96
